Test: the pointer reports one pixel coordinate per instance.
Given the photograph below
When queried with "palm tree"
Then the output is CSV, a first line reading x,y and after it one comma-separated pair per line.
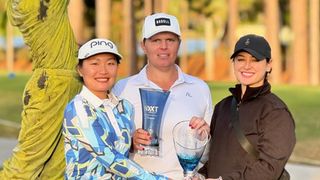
x,y
206,8
314,42
129,38
161,6
8,29
153,6
10,48
272,24
232,26
300,57
184,28
209,51
76,9
103,15
148,7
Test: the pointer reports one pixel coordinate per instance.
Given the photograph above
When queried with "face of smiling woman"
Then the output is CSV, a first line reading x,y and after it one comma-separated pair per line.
x,y
99,73
249,71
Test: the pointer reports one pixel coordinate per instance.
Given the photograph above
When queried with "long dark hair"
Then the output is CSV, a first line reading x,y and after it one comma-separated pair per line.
x,y
80,63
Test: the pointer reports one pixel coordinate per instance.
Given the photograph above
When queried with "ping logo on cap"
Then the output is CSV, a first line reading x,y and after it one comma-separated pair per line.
x,y
162,22
101,43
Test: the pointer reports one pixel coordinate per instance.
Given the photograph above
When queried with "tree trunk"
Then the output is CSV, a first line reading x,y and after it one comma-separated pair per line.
x,y
161,6
184,29
209,51
300,61
233,20
9,49
314,42
103,15
76,10
272,34
148,7
129,40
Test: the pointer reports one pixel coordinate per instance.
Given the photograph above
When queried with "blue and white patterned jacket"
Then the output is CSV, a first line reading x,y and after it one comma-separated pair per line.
x,y
97,146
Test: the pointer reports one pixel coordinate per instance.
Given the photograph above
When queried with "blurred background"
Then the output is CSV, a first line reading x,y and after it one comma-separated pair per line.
x,y
209,32
210,29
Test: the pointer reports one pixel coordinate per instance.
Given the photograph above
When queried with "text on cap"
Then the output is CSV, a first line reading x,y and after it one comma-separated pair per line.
x,y
162,21
99,43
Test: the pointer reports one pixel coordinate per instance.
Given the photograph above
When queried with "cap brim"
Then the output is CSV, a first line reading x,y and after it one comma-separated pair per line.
x,y
160,31
257,55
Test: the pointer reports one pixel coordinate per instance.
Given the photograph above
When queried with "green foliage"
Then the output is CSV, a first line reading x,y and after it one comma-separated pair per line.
x,y
201,6
208,7
215,10
3,22
249,10
3,17
285,12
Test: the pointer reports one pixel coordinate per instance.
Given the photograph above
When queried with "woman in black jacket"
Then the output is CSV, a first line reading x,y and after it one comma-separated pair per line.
x,y
264,121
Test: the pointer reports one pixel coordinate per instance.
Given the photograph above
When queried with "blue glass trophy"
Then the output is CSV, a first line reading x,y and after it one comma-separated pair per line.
x,y
153,103
190,145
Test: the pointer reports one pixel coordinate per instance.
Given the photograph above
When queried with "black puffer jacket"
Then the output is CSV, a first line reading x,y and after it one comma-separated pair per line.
x,y
268,125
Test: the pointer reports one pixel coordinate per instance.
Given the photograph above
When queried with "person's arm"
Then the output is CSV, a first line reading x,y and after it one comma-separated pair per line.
x,y
209,106
46,30
106,154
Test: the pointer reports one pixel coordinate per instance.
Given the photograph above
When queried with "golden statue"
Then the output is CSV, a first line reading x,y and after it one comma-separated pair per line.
x,y
45,27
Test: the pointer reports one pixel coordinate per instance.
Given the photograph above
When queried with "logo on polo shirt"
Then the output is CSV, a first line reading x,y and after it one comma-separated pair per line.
x,y
162,22
101,43
188,94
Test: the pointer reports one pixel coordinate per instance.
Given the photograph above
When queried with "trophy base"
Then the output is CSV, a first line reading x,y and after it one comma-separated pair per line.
x,y
190,175
149,151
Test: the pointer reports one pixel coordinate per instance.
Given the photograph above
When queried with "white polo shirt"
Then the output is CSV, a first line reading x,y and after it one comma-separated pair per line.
x,y
189,96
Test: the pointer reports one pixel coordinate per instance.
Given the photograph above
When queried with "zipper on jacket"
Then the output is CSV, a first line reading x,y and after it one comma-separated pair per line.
x,y
238,105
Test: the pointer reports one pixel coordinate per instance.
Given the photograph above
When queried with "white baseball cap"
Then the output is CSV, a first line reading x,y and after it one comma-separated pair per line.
x,y
98,46
160,22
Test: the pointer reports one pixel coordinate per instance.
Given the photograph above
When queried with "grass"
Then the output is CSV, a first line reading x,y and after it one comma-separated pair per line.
x,y
304,104
303,101
11,91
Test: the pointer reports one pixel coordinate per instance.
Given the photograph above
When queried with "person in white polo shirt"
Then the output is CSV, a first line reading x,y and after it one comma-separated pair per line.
x,y
189,97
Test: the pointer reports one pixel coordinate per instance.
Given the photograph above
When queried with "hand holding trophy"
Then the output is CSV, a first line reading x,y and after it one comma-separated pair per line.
x,y
153,102
190,145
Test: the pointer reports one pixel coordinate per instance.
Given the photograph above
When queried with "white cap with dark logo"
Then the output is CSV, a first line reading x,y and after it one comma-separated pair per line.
x,y
160,22
98,46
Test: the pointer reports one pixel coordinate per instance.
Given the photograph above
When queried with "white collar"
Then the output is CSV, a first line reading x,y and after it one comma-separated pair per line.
x,y
108,105
96,101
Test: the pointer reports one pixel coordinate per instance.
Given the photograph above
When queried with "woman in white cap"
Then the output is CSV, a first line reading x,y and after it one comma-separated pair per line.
x,y
253,130
97,124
